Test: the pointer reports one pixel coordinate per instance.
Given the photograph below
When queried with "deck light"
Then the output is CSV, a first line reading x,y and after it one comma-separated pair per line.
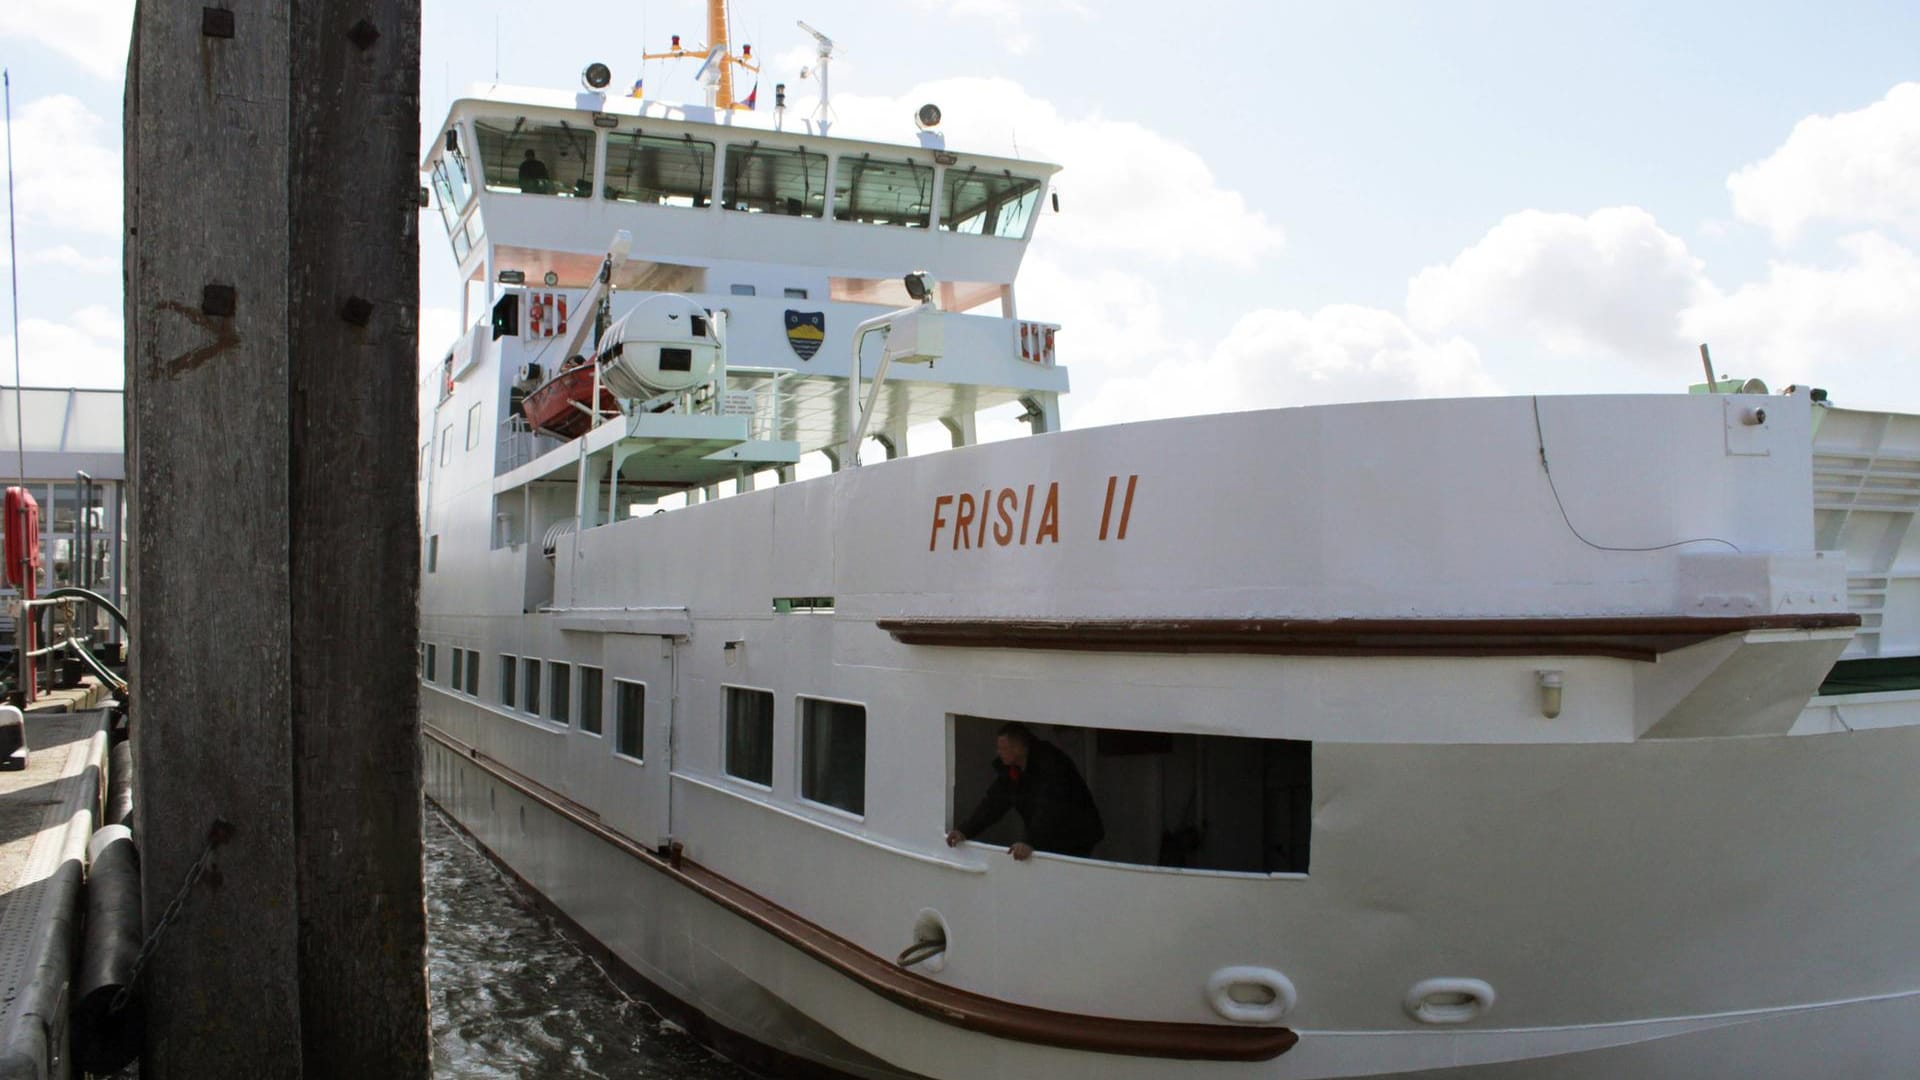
x,y
919,285
605,120
513,277
676,43
746,52
928,116
453,140
551,279
597,76
1551,687
780,95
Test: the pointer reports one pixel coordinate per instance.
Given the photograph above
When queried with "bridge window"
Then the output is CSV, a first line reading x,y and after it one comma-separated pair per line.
x,y
1172,800
536,157
508,666
750,735
769,180
459,669
630,719
833,754
559,692
473,673
987,203
882,192
664,170
530,685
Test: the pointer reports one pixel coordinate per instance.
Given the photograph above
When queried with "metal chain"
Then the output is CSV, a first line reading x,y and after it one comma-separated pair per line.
x,y
217,835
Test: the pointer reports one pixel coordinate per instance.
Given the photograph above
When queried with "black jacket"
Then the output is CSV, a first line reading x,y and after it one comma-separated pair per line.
x,y
1056,809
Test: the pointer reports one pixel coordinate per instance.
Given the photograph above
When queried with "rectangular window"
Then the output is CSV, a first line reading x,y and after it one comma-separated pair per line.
x,y
530,685
559,692
536,157
750,735
446,445
590,699
766,180
473,426
459,669
1151,798
473,673
426,458
833,754
743,290
630,719
883,192
432,660
661,170
796,294
988,203
433,554
508,666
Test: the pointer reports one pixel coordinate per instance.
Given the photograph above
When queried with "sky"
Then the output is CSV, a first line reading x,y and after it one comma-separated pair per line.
x,y
1262,204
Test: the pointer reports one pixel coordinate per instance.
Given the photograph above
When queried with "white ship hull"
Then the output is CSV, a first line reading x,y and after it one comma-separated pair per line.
x,y
1677,868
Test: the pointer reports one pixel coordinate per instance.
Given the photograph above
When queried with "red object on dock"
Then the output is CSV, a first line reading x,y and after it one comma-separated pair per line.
x,y
559,407
23,535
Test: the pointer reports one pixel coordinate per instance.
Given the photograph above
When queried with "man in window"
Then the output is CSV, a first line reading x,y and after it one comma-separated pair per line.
x,y
1039,781
533,175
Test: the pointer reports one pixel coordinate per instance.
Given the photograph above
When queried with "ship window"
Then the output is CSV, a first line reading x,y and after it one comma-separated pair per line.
x,y
459,669
508,666
987,203
559,692
743,290
473,426
426,458
663,170
750,735
1166,799
473,673
630,719
796,294
432,658
766,180
590,702
882,192
536,157
530,685
833,754
675,359
433,553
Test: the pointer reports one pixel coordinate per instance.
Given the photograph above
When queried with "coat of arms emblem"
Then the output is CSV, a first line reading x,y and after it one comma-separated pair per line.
x,y
805,331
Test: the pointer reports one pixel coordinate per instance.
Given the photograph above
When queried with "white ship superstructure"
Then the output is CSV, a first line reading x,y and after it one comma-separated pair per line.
x,y
1475,735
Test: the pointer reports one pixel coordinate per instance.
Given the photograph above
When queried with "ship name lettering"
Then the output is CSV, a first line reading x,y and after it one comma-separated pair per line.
x,y
1007,515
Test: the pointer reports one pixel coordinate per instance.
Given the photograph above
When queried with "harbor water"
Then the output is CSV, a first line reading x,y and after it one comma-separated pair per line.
x,y
513,998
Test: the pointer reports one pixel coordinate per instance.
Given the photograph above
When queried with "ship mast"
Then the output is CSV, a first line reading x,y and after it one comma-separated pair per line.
x,y
720,61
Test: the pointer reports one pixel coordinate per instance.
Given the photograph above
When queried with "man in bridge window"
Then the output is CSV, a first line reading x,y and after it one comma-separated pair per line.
x,y
1037,780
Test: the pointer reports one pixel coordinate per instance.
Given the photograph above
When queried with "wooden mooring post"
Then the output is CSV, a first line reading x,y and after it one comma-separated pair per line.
x,y
271,301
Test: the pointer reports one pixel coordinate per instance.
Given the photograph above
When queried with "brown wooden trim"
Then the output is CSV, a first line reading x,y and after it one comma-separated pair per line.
x,y
947,1004
1630,637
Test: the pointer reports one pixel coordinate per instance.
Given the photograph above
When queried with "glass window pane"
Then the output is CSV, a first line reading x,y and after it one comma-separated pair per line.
x,y
590,700
473,673
988,203
459,668
536,157
764,180
662,170
530,685
508,666
750,735
879,192
432,659
630,719
559,692
833,748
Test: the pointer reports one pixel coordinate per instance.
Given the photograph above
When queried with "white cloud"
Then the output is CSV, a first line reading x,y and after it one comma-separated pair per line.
x,y
1806,322
1273,358
1856,168
438,327
86,351
68,257
66,166
93,33
1125,188
1613,279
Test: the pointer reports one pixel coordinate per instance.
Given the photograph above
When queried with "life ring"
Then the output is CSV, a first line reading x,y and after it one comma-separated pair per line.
x,y
536,314
1448,1001
1251,995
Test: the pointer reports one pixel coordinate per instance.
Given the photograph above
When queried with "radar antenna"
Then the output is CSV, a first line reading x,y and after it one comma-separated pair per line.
x,y
822,113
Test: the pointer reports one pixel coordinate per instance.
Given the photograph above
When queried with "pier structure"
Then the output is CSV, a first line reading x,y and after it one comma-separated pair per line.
x,y
271,309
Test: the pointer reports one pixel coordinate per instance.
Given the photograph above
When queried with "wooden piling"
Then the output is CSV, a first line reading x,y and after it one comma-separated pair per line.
x,y
271,301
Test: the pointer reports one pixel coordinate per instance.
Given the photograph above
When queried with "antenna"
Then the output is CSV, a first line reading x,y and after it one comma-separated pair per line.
x,y
822,113
13,263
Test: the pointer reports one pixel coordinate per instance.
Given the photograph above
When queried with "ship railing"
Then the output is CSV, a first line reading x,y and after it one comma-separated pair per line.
x,y
519,444
757,393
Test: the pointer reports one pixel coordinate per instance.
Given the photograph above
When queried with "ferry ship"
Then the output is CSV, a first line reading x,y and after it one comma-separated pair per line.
x,y
1538,736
